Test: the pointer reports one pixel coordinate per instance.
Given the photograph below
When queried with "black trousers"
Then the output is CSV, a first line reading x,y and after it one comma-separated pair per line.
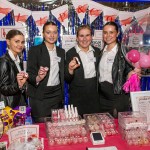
x,y
110,102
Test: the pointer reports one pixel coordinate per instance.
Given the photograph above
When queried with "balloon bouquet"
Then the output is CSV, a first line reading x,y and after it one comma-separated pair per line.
x,y
136,49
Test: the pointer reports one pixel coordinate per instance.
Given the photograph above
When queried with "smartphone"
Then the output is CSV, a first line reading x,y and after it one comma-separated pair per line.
x,y
97,138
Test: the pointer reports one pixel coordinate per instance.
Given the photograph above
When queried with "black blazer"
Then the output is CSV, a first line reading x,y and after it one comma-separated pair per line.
x,y
39,56
9,89
78,77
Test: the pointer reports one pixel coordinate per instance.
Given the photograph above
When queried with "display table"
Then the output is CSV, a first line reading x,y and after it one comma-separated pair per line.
x,y
115,140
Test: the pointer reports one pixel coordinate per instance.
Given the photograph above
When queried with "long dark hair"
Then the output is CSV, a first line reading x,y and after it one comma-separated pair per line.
x,y
46,24
112,24
13,33
116,28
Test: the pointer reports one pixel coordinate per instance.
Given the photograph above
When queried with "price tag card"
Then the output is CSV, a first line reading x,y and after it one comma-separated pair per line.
x,y
3,145
2,105
103,148
22,109
23,132
141,102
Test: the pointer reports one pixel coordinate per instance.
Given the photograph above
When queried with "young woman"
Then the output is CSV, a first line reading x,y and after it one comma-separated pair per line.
x,y
12,78
114,71
81,73
46,74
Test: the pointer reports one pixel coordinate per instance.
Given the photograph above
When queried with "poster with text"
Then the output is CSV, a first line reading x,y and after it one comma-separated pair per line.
x,y
68,41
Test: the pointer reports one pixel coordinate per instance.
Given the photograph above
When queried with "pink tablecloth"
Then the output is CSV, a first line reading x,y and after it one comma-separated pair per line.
x,y
115,140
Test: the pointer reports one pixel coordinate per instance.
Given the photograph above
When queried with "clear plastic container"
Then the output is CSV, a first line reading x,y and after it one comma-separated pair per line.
x,y
66,132
102,122
133,128
92,122
129,120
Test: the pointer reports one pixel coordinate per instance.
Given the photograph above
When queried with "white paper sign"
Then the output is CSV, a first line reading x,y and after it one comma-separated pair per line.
x,y
98,33
97,43
2,105
135,39
141,102
68,41
23,132
103,148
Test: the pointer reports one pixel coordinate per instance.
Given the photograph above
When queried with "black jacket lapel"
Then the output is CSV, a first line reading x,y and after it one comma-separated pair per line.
x,y
45,58
12,62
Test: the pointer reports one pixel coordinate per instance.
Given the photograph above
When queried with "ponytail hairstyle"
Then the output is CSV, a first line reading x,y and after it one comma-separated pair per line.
x,y
116,28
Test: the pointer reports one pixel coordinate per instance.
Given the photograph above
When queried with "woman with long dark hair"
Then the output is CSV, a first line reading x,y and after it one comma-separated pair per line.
x,y
114,71
12,76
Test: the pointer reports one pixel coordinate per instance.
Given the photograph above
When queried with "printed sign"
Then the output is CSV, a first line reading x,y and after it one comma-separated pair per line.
x,y
135,39
68,41
23,132
141,102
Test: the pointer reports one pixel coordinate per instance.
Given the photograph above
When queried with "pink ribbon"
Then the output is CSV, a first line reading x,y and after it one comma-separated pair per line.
x,y
132,84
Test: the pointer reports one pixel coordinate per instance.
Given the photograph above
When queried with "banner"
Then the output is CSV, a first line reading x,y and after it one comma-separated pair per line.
x,y
141,13
4,30
40,18
110,14
4,8
125,19
20,14
95,10
143,16
61,13
80,8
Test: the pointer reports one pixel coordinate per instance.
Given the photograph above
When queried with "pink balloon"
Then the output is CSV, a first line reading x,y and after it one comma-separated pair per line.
x,y
145,61
136,65
127,58
133,56
142,54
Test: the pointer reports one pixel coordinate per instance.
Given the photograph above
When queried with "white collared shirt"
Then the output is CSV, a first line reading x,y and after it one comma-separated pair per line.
x,y
16,60
88,61
106,64
54,68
